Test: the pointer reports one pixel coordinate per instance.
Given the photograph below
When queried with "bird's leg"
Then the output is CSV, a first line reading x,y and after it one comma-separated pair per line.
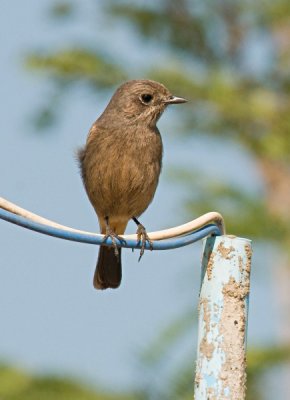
x,y
113,236
142,237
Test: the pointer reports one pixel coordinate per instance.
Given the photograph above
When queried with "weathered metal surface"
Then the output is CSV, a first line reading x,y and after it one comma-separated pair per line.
x,y
223,313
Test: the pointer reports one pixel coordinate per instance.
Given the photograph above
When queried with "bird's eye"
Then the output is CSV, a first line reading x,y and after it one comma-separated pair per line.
x,y
146,98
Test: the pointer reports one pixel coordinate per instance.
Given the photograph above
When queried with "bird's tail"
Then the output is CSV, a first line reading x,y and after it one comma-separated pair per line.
x,y
108,272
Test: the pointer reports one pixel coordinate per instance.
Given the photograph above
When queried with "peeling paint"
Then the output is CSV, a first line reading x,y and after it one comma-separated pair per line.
x,y
210,266
221,361
240,264
249,253
206,314
197,379
232,329
233,289
206,348
225,252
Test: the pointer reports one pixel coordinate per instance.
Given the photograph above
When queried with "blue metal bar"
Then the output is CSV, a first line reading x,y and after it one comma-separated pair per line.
x,y
223,316
166,244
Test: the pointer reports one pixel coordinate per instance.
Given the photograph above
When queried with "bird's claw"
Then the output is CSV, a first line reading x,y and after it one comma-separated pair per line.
x,y
113,236
142,238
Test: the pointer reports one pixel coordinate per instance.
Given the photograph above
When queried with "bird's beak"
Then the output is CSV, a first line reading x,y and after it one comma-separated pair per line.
x,y
175,100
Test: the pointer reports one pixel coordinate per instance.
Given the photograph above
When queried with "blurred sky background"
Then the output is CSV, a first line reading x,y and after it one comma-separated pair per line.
x,y
51,317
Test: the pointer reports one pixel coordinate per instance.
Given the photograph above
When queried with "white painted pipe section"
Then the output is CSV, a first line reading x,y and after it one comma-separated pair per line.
x,y
223,315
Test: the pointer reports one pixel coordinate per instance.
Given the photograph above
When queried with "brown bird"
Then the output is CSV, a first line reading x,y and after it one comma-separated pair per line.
x,y
120,166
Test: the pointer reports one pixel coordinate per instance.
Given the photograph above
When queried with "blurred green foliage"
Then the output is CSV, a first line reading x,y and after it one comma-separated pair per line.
x,y
206,42
19,385
78,64
252,218
62,9
16,384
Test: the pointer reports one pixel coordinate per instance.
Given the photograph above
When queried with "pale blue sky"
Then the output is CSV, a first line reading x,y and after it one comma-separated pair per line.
x,y
51,317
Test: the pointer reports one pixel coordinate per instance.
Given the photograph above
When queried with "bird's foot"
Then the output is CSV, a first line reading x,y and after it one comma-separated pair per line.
x,y
110,234
142,238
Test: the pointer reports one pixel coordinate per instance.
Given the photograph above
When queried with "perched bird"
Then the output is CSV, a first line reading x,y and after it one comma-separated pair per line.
x,y
120,166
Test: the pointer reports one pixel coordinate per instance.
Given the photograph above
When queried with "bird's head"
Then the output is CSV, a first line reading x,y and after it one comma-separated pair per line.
x,y
141,101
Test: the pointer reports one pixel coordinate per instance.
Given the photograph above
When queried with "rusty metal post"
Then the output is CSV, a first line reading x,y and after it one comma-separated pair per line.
x,y
223,315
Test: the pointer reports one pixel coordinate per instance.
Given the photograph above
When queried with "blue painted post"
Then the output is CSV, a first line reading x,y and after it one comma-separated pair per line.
x,y
223,315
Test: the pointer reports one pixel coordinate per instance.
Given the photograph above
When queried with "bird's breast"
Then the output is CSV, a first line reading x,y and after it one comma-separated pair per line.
x,y
123,171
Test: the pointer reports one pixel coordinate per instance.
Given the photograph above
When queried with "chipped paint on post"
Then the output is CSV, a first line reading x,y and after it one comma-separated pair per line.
x,y
223,313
